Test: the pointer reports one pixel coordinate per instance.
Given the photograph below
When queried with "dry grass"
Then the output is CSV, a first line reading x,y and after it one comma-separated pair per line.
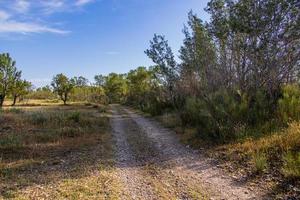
x,y
283,141
272,160
56,152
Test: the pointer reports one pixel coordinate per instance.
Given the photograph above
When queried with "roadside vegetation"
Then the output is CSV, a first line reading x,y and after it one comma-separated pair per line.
x,y
235,90
56,152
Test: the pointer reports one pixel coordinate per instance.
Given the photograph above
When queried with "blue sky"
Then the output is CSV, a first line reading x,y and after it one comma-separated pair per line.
x,y
88,37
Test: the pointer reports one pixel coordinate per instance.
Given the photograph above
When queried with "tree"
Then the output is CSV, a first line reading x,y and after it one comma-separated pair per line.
x,y
100,80
198,73
139,86
80,81
62,85
167,72
19,88
8,75
115,87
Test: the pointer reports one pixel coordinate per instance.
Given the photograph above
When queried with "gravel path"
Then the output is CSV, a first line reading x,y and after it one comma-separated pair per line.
x,y
153,164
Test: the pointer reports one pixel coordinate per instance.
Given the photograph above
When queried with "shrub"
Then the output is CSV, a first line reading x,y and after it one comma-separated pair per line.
x,y
259,160
15,110
45,137
291,167
71,132
75,116
11,141
289,104
38,118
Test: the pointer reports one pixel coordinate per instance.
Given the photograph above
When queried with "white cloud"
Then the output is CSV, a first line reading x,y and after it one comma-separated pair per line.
x,y
4,15
31,16
25,28
82,2
52,6
21,6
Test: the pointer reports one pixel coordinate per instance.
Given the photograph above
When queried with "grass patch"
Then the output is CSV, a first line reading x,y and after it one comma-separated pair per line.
x,y
54,152
260,162
291,167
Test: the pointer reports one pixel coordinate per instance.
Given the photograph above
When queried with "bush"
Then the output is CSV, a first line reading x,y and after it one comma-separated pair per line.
x,y
11,141
15,110
45,137
291,167
38,118
219,118
289,104
75,116
260,162
71,132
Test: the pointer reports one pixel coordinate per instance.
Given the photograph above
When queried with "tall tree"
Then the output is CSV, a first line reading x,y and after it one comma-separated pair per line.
x,y
161,54
198,72
62,85
8,75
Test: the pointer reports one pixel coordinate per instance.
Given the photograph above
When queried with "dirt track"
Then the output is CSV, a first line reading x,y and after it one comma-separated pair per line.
x,y
152,164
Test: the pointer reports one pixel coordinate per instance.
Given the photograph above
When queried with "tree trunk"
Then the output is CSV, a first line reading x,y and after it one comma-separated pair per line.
x,y
14,100
2,97
65,98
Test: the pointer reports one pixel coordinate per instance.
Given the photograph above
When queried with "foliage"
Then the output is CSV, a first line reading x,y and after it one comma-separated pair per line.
x,y
62,85
291,167
19,89
41,93
259,160
115,87
289,104
8,75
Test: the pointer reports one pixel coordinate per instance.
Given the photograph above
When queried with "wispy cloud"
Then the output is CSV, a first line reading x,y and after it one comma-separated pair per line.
x,y
3,15
21,6
9,25
28,16
82,2
25,28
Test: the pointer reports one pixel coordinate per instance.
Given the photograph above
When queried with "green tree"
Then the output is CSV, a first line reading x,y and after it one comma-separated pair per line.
x,y
167,70
19,88
62,85
139,85
80,81
115,87
100,80
8,75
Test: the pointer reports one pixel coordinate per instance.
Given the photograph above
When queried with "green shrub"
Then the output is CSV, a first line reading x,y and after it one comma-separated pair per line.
x,y
289,104
260,162
11,141
45,137
15,110
71,132
75,116
38,118
291,167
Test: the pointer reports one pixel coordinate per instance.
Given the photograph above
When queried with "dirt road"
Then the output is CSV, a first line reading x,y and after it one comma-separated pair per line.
x,y
152,164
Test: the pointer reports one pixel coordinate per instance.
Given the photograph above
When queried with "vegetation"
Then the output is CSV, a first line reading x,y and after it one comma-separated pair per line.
x,y
10,80
236,82
56,151
62,86
235,86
